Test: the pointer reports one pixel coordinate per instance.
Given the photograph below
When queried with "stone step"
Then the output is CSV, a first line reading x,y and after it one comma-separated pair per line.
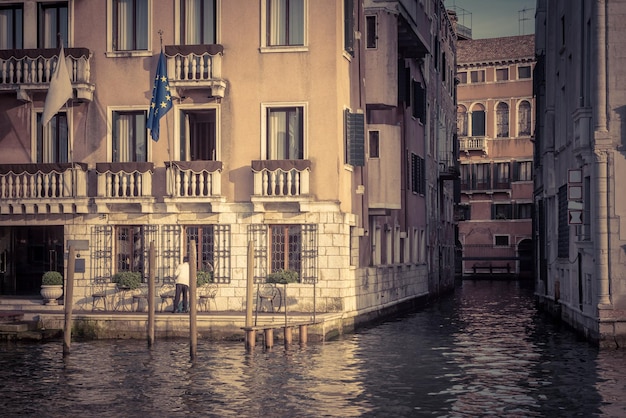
x,y
15,326
10,316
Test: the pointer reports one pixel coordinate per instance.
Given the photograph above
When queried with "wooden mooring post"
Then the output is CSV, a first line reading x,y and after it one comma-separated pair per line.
x,y
69,304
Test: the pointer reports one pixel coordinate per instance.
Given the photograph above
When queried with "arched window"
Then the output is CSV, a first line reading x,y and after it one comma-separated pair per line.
x,y
524,118
502,120
478,120
461,120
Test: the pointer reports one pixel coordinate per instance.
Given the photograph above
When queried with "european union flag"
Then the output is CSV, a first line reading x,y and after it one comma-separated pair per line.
x,y
161,98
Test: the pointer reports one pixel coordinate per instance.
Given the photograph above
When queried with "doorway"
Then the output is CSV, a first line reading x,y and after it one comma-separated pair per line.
x,y
26,252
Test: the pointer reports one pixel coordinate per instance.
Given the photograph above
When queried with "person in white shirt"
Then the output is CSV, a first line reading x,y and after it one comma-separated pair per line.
x,y
182,286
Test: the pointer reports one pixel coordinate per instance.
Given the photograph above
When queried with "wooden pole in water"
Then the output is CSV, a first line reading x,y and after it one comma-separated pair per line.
x,y
151,307
250,334
193,333
68,304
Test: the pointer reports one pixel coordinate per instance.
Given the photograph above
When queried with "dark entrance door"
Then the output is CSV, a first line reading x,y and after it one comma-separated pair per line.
x,y
26,252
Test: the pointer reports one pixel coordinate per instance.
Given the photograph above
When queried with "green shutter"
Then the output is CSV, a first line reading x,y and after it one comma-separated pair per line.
x,y
356,138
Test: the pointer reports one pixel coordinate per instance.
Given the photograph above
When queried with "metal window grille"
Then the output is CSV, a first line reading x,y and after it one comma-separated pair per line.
x,y
169,253
101,253
213,249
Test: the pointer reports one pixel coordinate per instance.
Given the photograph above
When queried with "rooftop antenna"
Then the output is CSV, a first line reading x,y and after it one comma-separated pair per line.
x,y
522,19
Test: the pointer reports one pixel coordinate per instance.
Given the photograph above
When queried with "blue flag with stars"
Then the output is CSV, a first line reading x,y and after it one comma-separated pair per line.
x,y
161,98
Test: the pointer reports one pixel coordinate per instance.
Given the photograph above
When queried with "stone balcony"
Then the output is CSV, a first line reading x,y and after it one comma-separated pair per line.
x,y
280,182
28,71
193,67
192,183
122,186
473,143
43,188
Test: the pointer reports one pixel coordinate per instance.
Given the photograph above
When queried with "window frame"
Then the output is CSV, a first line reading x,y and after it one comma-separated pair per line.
x,y
179,125
39,132
112,51
14,44
180,19
112,110
477,72
500,72
524,67
42,38
495,240
265,27
503,114
265,110
373,138
371,34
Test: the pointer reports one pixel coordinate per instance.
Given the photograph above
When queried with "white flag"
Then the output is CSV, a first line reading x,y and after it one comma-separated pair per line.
x,y
60,90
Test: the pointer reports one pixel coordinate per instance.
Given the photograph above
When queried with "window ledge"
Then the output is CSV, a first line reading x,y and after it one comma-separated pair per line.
x,y
128,54
283,48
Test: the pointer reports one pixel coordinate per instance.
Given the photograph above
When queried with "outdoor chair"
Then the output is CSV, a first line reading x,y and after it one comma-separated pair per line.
x,y
206,294
99,294
269,293
166,293
140,295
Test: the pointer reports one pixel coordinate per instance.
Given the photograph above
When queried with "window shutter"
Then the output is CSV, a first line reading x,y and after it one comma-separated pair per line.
x,y
355,133
419,101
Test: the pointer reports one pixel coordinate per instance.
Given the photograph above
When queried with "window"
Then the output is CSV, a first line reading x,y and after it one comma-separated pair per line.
x,y
130,248
285,243
523,171
524,118
354,133
285,24
52,139
478,121
481,176
418,174
502,211
502,74
461,120
12,26
198,135
129,137
462,77
285,133
502,120
503,180
501,240
52,21
372,36
465,212
374,137
129,25
419,101
198,23
524,211
523,72
466,176
477,76
348,26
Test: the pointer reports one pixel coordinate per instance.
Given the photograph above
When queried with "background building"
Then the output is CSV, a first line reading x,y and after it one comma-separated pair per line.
x,y
276,135
494,128
580,162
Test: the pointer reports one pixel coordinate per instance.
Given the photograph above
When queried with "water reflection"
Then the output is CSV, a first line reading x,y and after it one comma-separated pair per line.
x,y
484,351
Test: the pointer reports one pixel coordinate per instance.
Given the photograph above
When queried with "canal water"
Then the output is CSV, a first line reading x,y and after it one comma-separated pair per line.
x,y
483,351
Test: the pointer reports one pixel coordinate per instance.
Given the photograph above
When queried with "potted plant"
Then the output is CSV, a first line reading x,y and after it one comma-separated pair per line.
x,y
204,277
128,280
51,287
283,277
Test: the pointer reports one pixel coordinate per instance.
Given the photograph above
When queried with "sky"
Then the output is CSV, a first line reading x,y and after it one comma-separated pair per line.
x,y
495,18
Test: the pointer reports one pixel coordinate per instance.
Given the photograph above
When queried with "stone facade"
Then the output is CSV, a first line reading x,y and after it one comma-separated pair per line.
x,y
268,140
580,163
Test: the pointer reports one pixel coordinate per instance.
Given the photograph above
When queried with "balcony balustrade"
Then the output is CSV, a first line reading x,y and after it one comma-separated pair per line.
x,y
43,188
475,143
281,181
195,67
25,71
194,179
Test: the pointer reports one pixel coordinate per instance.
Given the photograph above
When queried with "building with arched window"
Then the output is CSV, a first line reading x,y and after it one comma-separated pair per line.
x,y
494,126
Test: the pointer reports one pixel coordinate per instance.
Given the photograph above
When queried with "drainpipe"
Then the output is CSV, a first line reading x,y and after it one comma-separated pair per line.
x,y
601,137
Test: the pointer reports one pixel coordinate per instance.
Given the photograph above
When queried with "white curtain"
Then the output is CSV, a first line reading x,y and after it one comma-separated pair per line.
x,y
276,135
6,28
296,22
53,143
122,127
130,25
197,18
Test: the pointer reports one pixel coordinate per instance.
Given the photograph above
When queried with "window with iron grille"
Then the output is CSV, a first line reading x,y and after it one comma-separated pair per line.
x,y
101,253
132,247
418,174
292,247
212,249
